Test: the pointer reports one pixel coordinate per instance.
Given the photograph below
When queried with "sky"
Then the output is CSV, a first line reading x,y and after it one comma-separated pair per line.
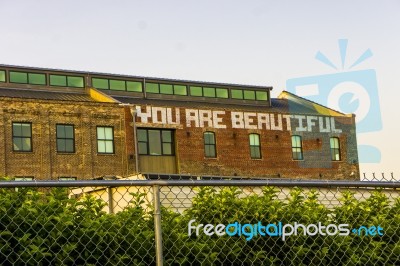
x,y
245,42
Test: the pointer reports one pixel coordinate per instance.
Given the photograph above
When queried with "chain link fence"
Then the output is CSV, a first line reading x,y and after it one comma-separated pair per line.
x,y
190,220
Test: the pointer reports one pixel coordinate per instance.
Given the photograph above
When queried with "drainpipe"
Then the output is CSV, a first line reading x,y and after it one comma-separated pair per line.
x,y
134,114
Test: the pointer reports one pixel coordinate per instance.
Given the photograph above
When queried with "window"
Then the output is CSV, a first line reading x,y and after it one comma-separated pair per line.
x,y
105,140
117,85
255,151
237,94
66,81
297,148
22,136
24,178
99,83
67,178
134,86
249,95
261,96
2,76
65,138
196,91
180,90
209,145
166,89
152,88
335,149
27,78
155,142
209,92
222,93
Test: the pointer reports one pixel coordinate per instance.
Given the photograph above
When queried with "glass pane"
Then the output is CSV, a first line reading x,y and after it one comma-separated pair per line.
x,y
38,79
237,94
142,148
101,146
152,88
109,146
180,90
209,138
134,86
334,143
17,130
26,130
100,83
261,95
100,133
222,93
108,133
142,135
296,141
26,144
69,145
60,131
167,149
17,144
154,142
69,132
75,82
2,76
255,152
254,140
117,85
196,91
209,92
166,89
57,80
61,145
18,77
166,136
249,95
209,150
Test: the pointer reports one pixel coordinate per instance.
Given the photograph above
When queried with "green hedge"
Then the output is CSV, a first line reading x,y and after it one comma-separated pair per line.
x,y
45,227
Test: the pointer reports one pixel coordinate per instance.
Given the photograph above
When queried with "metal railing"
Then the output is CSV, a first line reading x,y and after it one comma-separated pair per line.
x,y
162,220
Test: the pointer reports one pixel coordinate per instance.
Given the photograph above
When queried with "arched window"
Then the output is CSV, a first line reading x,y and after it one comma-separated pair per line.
x,y
209,145
335,149
255,149
297,148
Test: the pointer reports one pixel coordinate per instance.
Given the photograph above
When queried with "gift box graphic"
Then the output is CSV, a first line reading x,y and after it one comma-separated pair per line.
x,y
347,92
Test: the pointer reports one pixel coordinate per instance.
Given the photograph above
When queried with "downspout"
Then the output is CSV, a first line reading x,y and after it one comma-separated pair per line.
x,y
134,113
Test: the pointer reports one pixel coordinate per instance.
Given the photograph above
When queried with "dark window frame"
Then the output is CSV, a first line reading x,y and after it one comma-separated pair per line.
x,y
253,146
105,140
335,150
22,137
210,146
297,149
65,138
147,142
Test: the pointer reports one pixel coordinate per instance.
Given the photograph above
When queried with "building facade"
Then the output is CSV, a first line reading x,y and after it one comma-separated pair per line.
x,y
74,124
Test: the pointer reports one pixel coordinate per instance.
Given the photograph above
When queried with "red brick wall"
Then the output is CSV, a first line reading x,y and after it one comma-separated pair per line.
x,y
233,152
44,162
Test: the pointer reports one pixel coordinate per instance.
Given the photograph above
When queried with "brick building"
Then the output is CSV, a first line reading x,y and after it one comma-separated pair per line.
x,y
62,124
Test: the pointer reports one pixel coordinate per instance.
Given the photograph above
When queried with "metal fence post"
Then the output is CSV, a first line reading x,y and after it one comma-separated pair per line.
x,y
157,225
